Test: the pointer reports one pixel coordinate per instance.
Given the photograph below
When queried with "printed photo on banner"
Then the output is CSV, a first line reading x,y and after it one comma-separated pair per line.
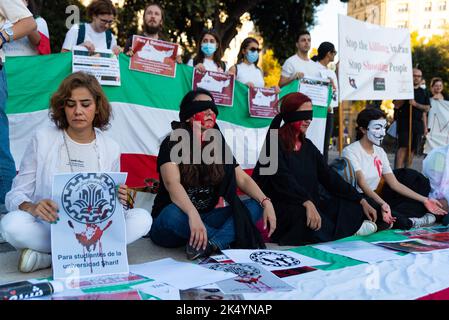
x,y
415,246
103,64
90,237
250,278
263,102
154,56
318,90
221,85
375,62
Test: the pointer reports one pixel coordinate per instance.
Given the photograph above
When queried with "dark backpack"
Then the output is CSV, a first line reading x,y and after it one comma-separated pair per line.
x,y
82,35
344,168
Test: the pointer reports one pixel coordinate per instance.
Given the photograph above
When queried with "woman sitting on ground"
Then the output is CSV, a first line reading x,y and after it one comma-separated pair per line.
x,y
80,111
184,210
371,164
303,216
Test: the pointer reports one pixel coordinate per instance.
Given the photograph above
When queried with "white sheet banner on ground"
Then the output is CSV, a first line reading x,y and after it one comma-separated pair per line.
x,y
159,290
375,62
272,259
318,90
90,237
221,85
102,64
438,123
262,102
180,275
359,250
154,56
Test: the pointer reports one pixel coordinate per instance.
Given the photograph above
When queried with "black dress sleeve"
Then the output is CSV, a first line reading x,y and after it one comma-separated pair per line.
x,y
332,181
164,153
283,184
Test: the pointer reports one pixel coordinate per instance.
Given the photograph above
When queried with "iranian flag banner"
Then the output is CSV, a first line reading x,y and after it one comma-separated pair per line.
x,y
143,108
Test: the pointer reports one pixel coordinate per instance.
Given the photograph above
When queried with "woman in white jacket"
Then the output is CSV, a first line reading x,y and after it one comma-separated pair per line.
x,y
80,111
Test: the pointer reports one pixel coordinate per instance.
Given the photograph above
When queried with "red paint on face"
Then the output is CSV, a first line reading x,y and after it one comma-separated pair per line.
x,y
297,125
207,120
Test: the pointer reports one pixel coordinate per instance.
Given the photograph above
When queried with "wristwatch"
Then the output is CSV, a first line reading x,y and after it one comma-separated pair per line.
x,y
10,32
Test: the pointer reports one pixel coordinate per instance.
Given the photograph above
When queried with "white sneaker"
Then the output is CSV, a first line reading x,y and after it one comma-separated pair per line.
x,y
368,227
426,220
31,260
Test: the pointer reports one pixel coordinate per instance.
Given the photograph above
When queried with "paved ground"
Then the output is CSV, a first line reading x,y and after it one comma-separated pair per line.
x,y
141,251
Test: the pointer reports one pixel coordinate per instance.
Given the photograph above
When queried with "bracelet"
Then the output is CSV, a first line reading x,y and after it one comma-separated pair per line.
x,y
263,200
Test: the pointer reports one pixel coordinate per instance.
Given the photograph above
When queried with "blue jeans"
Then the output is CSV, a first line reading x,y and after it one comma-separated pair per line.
x,y
171,228
7,166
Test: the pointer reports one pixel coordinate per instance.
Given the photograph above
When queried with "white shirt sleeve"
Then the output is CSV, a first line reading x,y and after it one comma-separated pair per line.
x,y
190,63
288,69
70,38
14,10
386,168
350,153
113,42
24,184
42,27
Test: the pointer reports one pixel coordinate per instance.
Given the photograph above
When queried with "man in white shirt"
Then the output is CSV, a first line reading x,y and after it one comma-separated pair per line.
x,y
299,65
23,24
97,34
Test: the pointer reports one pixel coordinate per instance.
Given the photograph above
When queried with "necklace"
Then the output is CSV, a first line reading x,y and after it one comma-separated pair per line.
x,y
64,133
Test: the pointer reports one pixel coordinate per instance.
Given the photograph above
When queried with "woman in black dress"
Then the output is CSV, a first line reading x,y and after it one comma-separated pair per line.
x,y
312,202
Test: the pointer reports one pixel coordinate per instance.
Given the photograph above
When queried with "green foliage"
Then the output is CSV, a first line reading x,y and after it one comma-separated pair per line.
x,y
432,57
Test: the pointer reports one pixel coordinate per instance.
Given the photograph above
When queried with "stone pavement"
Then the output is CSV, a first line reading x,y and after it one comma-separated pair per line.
x,y
140,251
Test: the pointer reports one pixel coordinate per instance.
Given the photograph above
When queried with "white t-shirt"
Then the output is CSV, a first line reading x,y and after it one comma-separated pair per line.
x,y
326,73
97,38
373,166
83,156
23,46
13,11
295,64
208,64
250,73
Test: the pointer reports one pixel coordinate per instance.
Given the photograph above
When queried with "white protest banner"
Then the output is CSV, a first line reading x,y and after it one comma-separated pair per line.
x,y
262,102
90,237
220,85
375,62
318,90
102,64
438,123
154,56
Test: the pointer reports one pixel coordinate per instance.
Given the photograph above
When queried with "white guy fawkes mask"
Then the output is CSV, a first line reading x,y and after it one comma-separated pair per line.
x,y
376,131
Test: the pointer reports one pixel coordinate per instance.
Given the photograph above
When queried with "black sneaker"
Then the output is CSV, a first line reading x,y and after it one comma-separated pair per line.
x,y
192,253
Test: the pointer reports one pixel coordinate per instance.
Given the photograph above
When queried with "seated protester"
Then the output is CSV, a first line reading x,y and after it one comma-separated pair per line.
x,y
436,168
209,53
302,216
184,210
371,164
153,21
246,69
80,111
37,42
97,34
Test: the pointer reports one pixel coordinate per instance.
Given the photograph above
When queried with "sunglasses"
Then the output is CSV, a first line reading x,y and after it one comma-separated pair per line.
x,y
254,49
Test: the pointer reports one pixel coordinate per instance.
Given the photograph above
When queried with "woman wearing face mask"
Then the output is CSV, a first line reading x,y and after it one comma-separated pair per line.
x,y
294,186
246,69
371,164
184,209
208,56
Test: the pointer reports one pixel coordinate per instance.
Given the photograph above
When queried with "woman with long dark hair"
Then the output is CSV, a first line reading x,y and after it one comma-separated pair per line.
x,y
196,168
303,215
209,53
371,165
